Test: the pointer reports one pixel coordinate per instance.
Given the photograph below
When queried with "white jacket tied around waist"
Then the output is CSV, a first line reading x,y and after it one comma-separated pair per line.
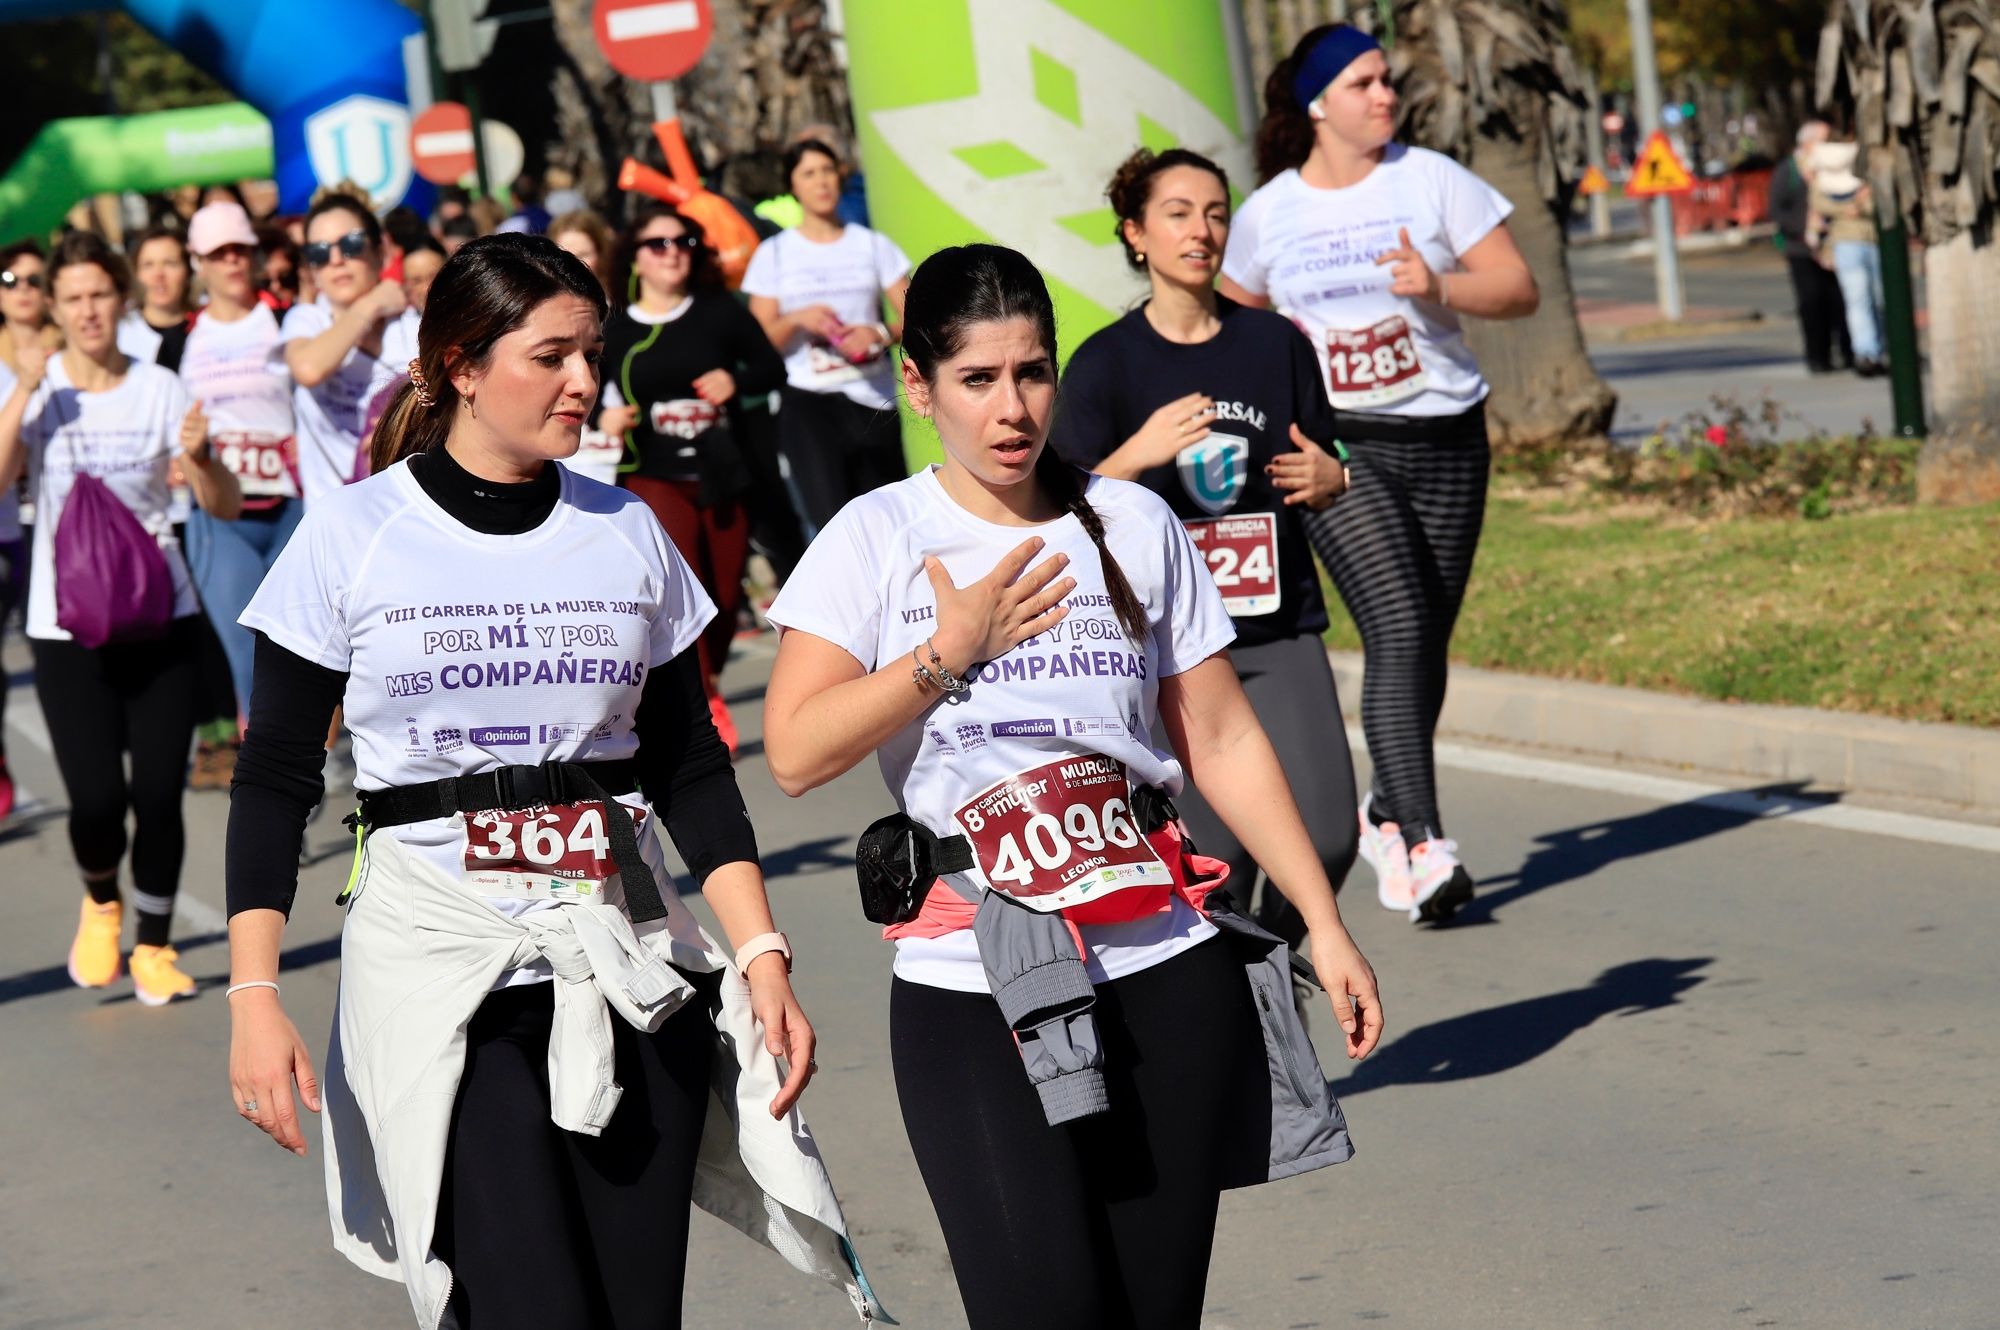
x,y
419,953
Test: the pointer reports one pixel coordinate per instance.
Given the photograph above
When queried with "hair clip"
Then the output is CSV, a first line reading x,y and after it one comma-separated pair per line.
x,y
425,399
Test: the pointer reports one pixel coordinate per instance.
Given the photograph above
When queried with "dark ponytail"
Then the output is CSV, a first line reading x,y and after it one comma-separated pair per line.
x,y
483,292
1285,135
955,289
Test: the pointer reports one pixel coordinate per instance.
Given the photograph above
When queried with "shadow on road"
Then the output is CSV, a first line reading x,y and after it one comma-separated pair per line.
x,y
1691,359
1483,1043
813,856
55,979
1577,852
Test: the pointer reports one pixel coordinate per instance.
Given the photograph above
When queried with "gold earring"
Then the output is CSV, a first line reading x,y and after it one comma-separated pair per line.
x,y
471,406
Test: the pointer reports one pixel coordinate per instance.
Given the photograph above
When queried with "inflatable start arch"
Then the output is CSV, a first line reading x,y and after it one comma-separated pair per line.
x,y
327,74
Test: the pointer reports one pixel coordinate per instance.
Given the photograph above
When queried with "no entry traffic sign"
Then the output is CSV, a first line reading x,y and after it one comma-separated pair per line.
x,y
653,40
441,143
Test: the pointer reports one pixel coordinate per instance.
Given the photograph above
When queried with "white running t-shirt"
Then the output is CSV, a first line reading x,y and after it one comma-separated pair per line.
x,y
1311,252
848,276
466,651
237,372
1082,688
127,438
330,415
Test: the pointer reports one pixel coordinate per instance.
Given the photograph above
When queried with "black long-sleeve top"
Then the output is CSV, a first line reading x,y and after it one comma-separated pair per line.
x,y
653,363
684,769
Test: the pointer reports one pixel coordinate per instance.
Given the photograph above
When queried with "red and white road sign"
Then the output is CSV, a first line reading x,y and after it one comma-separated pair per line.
x,y
441,143
653,40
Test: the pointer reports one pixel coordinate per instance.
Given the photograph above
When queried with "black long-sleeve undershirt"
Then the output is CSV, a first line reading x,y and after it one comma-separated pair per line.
x,y
684,768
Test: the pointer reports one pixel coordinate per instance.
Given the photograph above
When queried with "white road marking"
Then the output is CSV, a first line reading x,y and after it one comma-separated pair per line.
x,y
1670,790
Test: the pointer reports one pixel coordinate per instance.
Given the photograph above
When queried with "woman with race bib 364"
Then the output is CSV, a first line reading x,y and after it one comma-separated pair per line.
x,y
1239,460
1376,250
1083,1030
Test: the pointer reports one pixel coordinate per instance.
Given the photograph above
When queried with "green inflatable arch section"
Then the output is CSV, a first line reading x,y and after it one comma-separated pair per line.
x,y
76,158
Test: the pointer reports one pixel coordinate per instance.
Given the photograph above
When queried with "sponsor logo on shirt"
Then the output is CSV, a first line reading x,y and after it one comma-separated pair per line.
x,y
1214,471
1024,729
447,740
1094,727
576,731
416,746
944,745
971,735
502,736
409,685
1242,411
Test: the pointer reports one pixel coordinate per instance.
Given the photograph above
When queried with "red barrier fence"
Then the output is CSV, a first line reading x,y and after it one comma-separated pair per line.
x,y
1741,198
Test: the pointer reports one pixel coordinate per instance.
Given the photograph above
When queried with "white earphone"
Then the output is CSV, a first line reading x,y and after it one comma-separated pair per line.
x,y
1316,111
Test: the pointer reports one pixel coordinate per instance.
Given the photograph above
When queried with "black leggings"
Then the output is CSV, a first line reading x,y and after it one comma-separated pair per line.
x,y
1399,545
1102,1224
101,704
1290,686
545,1229
837,449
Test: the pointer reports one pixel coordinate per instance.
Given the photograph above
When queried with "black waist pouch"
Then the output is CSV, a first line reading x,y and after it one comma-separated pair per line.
x,y
895,862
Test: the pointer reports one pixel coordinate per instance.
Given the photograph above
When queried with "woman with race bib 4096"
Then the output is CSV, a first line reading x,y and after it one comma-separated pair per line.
x,y
1376,250
1083,1031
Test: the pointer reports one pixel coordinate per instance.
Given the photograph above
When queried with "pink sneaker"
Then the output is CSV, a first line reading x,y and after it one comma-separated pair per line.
x,y
1382,849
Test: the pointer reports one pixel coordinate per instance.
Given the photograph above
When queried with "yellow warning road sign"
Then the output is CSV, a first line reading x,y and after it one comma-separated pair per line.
x,y
1658,170
1593,182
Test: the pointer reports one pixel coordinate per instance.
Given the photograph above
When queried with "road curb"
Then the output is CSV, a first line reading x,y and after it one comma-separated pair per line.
x,y
1951,767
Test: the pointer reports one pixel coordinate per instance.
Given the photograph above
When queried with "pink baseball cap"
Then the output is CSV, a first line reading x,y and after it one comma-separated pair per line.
x,y
217,225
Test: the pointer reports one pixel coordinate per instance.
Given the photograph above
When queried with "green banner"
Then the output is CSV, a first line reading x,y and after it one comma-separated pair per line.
x,y
1002,121
74,159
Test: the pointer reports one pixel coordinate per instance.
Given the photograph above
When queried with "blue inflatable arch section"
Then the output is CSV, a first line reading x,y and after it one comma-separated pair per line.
x,y
328,74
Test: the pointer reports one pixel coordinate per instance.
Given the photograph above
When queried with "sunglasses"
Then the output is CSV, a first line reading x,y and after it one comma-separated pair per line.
x,y
661,244
352,246
10,281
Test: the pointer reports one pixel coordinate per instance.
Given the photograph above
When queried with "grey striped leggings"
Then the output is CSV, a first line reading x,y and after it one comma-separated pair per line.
x,y
1399,545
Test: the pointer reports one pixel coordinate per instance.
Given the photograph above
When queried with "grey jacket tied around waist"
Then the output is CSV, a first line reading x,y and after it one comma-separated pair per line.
x,y
1037,975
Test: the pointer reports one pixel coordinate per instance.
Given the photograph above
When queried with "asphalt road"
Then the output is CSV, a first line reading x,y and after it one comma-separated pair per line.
x,y
1678,1067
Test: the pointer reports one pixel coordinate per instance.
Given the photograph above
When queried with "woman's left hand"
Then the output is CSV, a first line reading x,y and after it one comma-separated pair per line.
x,y
194,434
787,1032
1410,276
1314,476
715,387
1350,981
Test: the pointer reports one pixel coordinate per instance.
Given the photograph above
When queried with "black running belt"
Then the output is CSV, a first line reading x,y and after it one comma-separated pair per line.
x,y
513,788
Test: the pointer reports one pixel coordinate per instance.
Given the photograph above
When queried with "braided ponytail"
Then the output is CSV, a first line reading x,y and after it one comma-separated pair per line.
x,y
949,293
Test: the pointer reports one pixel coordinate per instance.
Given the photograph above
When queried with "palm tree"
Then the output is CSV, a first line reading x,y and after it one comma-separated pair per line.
x,y
1921,84
770,68
1494,84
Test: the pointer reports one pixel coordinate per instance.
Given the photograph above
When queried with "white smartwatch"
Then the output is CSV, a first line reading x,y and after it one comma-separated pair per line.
x,y
760,944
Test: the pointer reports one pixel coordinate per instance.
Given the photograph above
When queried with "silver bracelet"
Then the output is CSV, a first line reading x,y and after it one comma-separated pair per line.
x,y
234,989
943,679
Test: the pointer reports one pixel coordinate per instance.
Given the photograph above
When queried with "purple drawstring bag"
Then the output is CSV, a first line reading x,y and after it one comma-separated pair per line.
x,y
112,582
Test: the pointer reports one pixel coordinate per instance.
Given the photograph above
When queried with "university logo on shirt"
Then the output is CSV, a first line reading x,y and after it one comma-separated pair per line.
x,y
1214,471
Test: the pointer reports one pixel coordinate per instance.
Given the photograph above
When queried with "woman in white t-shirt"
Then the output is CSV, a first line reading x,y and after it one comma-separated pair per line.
x,y
819,290
126,691
996,695
514,647
24,322
233,366
1375,250
346,345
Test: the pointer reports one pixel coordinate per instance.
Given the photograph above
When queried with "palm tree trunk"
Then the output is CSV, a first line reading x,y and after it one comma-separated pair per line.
x,y
1544,388
1961,461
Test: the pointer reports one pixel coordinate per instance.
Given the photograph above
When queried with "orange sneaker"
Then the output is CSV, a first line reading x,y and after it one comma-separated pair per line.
x,y
93,958
156,980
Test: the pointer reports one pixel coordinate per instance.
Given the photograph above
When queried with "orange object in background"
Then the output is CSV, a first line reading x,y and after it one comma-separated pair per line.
x,y
729,233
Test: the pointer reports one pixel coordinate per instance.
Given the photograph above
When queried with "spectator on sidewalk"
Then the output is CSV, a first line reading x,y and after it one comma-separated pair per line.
x,y
1843,216
1816,289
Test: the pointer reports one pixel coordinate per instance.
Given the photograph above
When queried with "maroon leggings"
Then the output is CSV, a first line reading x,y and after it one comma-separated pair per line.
x,y
715,542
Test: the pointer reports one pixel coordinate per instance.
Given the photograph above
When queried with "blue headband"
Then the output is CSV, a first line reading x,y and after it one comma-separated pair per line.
x,y
1322,65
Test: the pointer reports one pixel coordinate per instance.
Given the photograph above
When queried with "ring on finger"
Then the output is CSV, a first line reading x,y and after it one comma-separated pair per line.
x,y
249,1105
